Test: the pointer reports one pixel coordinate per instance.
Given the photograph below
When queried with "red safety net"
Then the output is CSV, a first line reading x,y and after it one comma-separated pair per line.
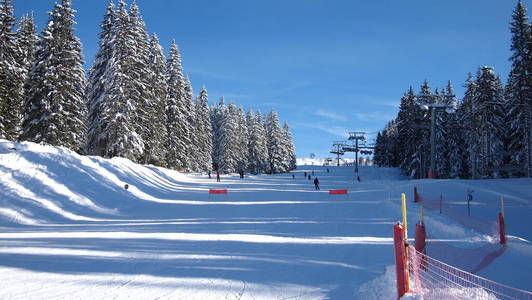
x,y
434,279
488,227
469,259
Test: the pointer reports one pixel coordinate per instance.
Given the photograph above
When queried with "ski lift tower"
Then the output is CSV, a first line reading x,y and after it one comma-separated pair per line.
x,y
355,137
338,150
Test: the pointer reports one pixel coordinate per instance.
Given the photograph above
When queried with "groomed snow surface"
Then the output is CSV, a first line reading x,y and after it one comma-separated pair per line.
x,y
70,230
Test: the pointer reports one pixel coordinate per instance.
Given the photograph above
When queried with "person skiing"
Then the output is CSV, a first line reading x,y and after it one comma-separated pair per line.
x,y
293,176
209,174
305,174
217,176
308,176
317,184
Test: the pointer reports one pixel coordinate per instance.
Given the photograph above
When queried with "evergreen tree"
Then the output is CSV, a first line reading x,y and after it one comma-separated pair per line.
x,y
176,113
422,155
203,132
409,135
290,159
425,90
275,143
519,90
441,131
119,101
55,110
228,155
386,146
156,110
242,141
465,123
258,151
27,40
12,74
98,87
488,118
218,113
141,91
379,151
192,150
455,156
391,135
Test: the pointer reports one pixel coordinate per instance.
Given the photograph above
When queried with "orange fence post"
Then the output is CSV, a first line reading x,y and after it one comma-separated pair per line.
x,y
401,267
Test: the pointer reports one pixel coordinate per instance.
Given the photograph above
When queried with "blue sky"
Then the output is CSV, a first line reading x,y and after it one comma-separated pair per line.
x,y
327,67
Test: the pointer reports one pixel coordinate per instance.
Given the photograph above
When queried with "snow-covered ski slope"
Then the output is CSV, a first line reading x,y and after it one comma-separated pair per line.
x,y
70,230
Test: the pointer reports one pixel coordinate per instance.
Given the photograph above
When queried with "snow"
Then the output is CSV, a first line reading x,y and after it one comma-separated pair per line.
x,y
69,230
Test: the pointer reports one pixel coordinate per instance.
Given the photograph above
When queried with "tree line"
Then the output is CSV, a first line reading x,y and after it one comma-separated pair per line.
x,y
134,102
488,135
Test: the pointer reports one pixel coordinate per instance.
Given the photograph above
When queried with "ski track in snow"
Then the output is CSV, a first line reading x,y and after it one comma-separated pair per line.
x,y
69,230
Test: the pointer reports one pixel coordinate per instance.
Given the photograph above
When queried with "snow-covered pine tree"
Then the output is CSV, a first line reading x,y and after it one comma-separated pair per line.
x,y
98,87
390,135
55,110
455,154
242,141
258,151
192,150
156,126
119,100
290,160
12,74
378,152
229,147
425,90
176,114
203,131
27,40
465,123
519,91
275,143
141,92
250,122
488,118
409,136
441,163
218,113
262,143
422,157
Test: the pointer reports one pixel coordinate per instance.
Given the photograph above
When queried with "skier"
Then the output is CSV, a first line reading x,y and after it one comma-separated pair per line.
x,y
305,174
209,174
312,172
317,184
293,176
308,176
327,170
217,176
